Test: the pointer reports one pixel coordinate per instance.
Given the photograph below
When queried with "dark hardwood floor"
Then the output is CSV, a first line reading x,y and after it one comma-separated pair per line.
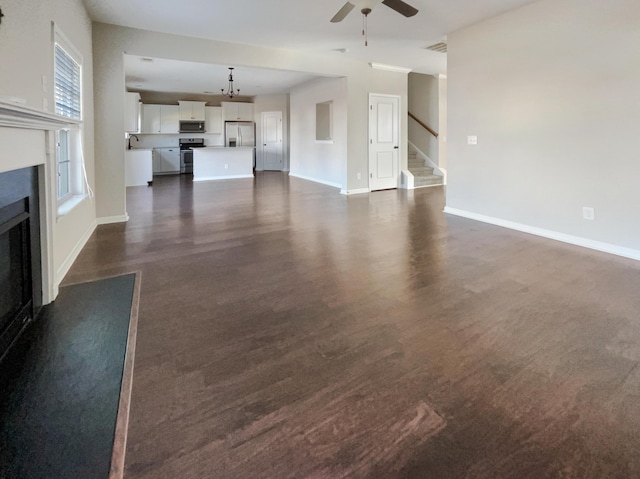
x,y
287,331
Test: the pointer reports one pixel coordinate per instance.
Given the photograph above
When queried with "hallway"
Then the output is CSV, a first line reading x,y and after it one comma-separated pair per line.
x,y
288,331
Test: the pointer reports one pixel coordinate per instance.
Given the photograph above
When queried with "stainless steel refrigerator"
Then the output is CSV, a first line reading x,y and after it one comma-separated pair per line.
x,y
240,133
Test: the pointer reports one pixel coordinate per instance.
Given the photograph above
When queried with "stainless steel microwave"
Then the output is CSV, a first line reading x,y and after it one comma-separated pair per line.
x,y
191,126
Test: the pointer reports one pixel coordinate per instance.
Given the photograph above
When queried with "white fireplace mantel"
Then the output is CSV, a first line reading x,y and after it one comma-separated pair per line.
x,y
30,147
14,115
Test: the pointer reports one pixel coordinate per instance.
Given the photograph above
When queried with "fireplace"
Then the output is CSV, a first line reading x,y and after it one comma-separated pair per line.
x,y
20,265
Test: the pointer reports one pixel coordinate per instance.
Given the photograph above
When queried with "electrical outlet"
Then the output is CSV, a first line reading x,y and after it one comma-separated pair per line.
x,y
472,140
359,176
226,166
588,213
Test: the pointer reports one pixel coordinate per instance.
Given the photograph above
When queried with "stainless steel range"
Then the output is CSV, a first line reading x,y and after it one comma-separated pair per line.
x,y
186,153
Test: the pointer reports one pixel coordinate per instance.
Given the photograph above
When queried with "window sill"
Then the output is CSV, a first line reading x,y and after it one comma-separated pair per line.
x,y
68,205
327,142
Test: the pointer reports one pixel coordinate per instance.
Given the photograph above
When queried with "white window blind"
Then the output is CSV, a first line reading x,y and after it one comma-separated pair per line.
x,y
67,84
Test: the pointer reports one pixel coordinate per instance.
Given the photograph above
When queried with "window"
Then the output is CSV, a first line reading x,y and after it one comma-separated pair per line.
x,y
68,102
64,163
68,84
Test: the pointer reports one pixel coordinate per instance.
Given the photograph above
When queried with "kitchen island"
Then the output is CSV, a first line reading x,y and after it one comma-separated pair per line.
x,y
219,162
138,168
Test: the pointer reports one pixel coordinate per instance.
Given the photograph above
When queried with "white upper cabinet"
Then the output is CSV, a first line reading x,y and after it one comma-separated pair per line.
x,y
237,111
150,118
192,110
132,112
213,121
160,118
169,118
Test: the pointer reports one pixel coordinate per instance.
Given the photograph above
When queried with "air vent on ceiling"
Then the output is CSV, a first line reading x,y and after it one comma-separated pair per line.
x,y
438,47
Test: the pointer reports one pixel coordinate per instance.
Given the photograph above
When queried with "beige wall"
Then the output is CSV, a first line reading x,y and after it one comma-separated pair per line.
x,y
424,101
552,92
442,122
26,59
172,98
320,161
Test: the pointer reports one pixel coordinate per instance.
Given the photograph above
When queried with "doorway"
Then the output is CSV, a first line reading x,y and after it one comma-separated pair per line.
x,y
384,139
272,140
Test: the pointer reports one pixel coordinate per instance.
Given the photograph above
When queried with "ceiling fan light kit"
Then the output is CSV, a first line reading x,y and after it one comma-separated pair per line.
x,y
366,7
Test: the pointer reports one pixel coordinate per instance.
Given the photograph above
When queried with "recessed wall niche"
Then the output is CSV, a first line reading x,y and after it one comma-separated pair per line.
x,y
324,121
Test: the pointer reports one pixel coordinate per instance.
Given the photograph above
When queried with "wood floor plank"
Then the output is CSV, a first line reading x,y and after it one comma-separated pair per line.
x,y
289,331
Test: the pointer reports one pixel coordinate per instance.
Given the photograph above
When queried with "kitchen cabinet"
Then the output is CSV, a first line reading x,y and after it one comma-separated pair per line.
x,y
160,118
166,161
192,110
137,167
213,120
237,111
132,112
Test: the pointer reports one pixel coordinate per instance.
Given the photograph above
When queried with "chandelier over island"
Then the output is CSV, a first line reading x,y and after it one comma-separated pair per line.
x,y
230,92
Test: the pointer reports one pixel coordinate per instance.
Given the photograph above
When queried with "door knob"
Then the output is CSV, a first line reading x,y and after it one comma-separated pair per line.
x,y
395,147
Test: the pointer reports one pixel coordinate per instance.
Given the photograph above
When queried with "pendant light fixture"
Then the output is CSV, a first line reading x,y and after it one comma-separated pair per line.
x,y
230,92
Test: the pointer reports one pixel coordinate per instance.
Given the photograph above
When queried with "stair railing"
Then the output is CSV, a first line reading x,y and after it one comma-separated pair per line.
x,y
423,125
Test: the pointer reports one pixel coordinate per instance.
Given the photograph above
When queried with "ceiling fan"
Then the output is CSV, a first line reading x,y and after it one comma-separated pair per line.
x,y
365,8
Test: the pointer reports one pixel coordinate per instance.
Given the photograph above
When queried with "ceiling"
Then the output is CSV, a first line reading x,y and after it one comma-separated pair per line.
x,y
304,25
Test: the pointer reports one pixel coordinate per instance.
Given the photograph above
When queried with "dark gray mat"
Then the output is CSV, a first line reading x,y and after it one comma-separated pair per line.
x,y
60,384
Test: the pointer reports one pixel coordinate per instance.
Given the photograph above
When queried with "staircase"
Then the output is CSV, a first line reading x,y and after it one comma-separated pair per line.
x,y
422,175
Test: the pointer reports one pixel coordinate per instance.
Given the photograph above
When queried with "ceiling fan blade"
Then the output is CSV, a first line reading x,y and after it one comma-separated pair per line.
x,y
401,7
343,12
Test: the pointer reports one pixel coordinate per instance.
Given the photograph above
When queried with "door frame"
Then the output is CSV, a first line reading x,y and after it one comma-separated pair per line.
x,y
370,135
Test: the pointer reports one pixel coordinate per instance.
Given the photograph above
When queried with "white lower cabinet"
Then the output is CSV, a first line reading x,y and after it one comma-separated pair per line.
x,y
166,161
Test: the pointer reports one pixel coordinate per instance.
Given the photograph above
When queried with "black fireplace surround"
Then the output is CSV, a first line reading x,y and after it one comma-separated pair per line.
x,y
20,256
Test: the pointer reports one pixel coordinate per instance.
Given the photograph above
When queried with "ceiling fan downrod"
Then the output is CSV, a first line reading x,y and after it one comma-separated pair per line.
x,y
365,13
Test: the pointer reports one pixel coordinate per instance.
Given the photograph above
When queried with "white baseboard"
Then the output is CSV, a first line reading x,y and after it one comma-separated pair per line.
x,y
355,192
315,180
107,220
407,180
214,178
73,255
554,235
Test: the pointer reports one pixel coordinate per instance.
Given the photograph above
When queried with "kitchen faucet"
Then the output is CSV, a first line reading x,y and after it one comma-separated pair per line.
x,y
137,140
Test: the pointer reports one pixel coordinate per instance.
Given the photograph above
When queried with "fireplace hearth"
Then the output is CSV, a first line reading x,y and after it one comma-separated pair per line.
x,y
20,264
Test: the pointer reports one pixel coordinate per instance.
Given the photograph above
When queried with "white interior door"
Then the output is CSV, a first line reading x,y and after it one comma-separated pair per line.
x,y
272,140
384,138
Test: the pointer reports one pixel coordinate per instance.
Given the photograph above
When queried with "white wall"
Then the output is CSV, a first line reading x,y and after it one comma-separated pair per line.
x,y
319,161
424,101
26,56
552,92
111,42
264,103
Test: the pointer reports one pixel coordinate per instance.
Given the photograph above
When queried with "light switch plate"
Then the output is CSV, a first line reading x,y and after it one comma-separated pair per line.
x,y
472,140
588,213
